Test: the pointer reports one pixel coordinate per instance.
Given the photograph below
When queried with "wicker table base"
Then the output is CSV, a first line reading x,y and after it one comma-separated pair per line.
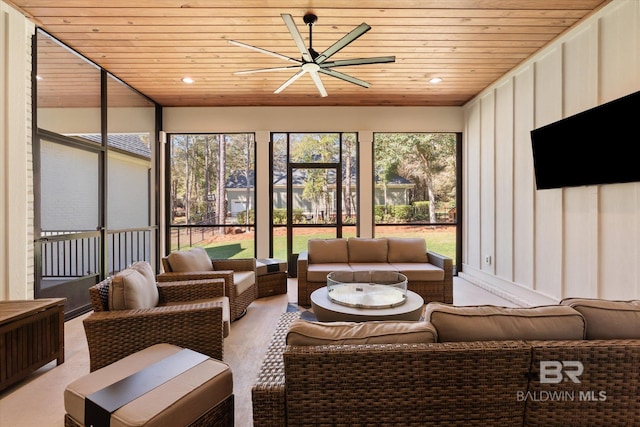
x,y
272,284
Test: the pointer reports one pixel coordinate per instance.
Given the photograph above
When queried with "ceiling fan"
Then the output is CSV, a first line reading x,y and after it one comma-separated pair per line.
x,y
313,62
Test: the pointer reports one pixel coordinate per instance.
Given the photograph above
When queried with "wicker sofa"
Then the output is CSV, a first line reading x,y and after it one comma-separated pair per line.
x,y
473,382
429,274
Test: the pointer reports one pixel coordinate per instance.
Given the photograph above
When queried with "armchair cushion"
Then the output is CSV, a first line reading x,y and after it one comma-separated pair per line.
x,y
608,320
131,289
407,250
243,280
305,333
488,323
194,259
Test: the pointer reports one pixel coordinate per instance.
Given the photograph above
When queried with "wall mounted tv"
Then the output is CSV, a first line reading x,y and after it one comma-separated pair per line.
x,y
597,146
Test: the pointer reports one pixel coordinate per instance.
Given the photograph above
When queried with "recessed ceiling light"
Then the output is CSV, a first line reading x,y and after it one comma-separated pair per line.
x,y
435,80
187,80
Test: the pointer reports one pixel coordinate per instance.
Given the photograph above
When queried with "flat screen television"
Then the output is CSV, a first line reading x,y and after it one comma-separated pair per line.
x,y
596,146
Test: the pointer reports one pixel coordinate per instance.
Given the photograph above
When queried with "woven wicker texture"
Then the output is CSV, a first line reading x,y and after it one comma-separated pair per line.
x,y
223,270
272,284
222,415
437,384
112,335
611,367
404,384
436,290
267,393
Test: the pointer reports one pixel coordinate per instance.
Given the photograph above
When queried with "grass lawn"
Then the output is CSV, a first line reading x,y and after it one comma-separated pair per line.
x,y
440,240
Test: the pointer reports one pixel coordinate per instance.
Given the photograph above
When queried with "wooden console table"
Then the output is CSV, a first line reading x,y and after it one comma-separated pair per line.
x,y
31,335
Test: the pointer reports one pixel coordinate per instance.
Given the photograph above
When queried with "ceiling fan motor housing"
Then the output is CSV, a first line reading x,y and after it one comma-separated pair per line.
x,y
310,19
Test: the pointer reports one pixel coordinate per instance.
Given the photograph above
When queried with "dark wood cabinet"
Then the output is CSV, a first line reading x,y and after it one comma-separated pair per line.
x,y
31,335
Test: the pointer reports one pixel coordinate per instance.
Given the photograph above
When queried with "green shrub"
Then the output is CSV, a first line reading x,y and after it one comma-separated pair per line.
x,y
401,213
421,210
242,217
379,212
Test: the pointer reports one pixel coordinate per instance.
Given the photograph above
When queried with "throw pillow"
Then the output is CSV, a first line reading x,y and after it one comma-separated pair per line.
x,y
305,333
367,250
194,259
130,289
407,249
607,319
327,251
488,323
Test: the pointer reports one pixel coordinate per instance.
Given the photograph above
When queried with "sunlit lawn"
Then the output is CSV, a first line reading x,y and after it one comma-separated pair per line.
x,y
438,240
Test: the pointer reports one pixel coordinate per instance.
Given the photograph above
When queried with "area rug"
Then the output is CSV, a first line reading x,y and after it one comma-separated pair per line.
x,y
305,313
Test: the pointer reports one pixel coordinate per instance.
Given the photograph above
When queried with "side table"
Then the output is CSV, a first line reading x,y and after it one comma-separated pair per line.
x,y
272,276
31,335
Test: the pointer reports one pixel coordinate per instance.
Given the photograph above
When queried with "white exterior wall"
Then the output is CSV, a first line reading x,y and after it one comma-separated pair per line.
x,y
550,244
16,169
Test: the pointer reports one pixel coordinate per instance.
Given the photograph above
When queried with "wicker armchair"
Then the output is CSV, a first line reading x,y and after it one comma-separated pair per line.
x,y
190,315
239,300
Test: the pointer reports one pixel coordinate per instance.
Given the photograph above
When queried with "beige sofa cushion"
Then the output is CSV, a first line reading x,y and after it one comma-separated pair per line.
x,y
363,250
486,323
327,251
407,249
608,319
194,259
304,333
318,272
131,289
419,271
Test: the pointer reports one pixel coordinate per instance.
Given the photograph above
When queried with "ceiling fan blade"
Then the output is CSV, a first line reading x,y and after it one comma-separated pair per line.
x,y
344,77
288,20
318,82
358,61
344,41
268,52
293,78
264,70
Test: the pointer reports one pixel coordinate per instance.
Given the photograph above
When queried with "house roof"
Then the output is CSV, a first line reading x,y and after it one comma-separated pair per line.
x,y
131,142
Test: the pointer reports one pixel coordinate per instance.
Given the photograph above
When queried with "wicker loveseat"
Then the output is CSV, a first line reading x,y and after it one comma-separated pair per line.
x,y
429,274
496,382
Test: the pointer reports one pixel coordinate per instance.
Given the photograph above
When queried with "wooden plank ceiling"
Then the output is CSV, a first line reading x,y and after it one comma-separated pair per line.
x,y
153,44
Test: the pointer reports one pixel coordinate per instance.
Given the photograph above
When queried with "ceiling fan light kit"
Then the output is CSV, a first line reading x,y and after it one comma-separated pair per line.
x,y
312,62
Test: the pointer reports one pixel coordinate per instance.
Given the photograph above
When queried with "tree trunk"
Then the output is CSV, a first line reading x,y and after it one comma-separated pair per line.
x,y
347,178
221,188
247,205
187,185
207,181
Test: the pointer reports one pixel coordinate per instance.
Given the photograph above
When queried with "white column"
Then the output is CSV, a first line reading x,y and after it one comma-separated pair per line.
x,y
262,195
365,203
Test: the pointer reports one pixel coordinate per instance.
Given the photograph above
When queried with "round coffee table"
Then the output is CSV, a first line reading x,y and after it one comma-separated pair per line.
x,y
327,311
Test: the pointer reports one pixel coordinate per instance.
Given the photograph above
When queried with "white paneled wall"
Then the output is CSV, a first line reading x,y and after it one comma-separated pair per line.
x,y
550,244
16,170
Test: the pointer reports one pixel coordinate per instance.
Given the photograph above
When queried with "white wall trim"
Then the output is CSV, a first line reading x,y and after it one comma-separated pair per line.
x,y
505,289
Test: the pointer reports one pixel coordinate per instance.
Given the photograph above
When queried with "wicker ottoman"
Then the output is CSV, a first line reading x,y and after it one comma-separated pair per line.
x,y
160,385
272,277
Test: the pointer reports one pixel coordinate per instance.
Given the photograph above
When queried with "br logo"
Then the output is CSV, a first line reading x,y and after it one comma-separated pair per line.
x,y
554,371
